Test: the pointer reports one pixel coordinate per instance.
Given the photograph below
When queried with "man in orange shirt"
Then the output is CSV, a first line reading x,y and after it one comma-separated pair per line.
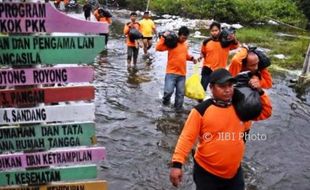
x,y
176,67
215,56
220,147
105,17
249,61
132,45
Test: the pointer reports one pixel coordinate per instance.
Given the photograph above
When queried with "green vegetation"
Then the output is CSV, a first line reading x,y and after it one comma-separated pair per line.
x,y
231,11
294,48
304,5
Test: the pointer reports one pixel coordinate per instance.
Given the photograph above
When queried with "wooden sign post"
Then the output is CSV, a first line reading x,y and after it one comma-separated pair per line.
x,y
45,127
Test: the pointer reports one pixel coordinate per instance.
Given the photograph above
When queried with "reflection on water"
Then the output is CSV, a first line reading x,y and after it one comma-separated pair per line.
x,y
140,134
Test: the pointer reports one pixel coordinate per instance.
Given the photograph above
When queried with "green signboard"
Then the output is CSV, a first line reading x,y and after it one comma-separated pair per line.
x,y
43,176
31,50
42,137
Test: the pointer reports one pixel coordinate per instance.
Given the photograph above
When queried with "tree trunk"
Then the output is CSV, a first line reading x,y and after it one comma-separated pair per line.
x,y
304,78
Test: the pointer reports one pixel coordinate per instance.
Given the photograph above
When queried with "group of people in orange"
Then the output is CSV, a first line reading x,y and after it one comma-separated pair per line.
x,y
100,14
138,34
217,161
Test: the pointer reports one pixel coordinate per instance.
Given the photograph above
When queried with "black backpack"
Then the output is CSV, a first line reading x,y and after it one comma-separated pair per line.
x,y
104,13
224,36
246,100
171,40
134,34
264,61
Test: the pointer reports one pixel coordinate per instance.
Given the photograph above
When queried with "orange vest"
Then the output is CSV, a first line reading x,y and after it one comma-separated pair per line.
x,y
215,56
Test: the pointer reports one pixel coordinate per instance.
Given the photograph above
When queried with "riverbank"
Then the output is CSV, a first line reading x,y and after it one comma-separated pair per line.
x,y
285,46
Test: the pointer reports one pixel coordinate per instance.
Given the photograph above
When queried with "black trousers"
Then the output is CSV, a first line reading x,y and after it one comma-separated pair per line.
x,y
106,37
207,181
87,15
132,52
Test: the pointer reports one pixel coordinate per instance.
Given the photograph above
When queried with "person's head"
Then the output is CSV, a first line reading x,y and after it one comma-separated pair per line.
x,y
215,30
146,15
221,85
101,11
251,63
183,34
133,16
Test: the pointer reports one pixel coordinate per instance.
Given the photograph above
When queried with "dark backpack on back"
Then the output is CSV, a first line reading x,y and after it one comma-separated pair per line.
x,y
246,100
134,34
224,37
171,40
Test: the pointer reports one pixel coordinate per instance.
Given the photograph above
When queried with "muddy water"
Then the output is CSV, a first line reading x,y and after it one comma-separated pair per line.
x,y
140,134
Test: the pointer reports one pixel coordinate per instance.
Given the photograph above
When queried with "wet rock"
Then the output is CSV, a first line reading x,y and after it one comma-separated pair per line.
x,y
166,16
197,34
272,22
174,22
279,56
237,26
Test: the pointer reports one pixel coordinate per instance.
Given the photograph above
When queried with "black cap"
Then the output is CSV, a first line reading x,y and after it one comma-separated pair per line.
x,y
221,76
133,14
146,12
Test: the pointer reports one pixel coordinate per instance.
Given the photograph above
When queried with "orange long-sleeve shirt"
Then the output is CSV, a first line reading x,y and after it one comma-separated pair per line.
x,y
216,154
215,56
177,57
236,67
136,25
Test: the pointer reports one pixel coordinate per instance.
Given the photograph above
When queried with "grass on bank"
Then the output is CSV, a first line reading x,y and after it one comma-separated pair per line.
x,y
294,48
